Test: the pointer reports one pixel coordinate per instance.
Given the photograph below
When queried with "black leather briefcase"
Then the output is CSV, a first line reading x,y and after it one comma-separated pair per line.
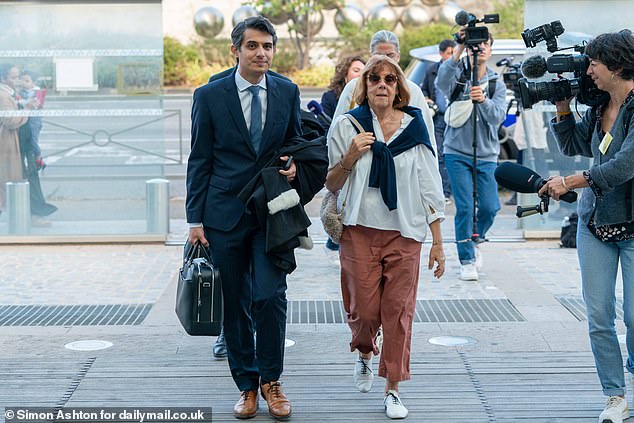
x,y
199,294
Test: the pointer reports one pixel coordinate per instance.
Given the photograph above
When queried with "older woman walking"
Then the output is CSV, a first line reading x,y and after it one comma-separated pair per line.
x,y
388,173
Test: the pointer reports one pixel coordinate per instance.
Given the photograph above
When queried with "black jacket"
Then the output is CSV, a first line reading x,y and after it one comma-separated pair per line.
x,y
283,228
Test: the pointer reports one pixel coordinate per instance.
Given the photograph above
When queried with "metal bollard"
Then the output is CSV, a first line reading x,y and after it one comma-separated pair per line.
x,y
19,207
157,206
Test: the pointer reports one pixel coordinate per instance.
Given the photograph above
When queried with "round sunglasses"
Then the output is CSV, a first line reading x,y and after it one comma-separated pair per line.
x,y
389,79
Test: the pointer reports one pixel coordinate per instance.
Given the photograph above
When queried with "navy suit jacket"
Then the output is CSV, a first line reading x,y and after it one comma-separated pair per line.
x,y
222,159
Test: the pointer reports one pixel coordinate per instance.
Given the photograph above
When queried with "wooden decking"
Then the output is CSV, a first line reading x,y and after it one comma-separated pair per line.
x,y
452,386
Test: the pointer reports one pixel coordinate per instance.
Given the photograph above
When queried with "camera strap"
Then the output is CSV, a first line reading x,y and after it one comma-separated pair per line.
x,y
462,80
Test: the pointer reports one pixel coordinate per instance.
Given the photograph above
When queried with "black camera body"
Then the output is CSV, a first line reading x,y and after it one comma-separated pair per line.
x,y
581,85
473,35
511,76
547,32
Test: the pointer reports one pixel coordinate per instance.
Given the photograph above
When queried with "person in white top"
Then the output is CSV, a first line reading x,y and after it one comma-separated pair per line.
x,y
387,171
386,43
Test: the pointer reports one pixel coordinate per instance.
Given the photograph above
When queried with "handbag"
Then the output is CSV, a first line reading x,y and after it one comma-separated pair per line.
x,y
199,293
332,217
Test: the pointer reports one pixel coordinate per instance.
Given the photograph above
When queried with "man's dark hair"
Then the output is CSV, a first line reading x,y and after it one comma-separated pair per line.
x,y
259,23
445,44
616,51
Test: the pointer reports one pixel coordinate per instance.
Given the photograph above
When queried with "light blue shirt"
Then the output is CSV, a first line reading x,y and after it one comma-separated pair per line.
x,y
245,102
245,98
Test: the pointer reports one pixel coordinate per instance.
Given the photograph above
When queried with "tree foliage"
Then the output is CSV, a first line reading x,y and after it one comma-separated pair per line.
x,y
426,36
511,18
298,25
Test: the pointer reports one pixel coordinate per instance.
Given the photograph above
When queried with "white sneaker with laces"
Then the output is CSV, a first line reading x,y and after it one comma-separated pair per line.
x,y
394,408
615,411
479,260
468,272
363,376
332,256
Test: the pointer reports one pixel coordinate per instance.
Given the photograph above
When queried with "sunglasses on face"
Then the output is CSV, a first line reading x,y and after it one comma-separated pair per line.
x,y
389,79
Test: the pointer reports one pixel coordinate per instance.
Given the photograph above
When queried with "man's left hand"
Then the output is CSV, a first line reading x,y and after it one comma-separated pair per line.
x,y
291,172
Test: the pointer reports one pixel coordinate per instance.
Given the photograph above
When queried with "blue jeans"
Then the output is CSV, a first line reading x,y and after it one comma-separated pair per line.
x,y
460,174
599,263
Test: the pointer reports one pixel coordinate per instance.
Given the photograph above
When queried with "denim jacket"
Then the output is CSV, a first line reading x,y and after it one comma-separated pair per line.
x,y
610,172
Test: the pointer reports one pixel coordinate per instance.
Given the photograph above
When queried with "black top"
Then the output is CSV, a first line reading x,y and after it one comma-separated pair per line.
x,y
329,102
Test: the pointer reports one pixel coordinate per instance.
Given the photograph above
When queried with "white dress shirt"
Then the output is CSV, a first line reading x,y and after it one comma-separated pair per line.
x,y
417,99
420,199
246,97
245,102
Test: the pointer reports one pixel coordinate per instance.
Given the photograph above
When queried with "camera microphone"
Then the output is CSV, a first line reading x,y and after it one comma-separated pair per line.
x,y
522,179
534,67
504,62
315,107
462,18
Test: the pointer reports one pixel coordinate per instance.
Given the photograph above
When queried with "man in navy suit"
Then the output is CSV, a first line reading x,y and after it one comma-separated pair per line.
x,y
220,346
237,123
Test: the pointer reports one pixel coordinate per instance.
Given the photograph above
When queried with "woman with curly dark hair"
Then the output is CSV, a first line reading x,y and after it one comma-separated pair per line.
x,y
348,68
605,234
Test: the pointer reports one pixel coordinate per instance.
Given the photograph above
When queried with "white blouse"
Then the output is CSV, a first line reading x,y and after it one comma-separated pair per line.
x,y
420,199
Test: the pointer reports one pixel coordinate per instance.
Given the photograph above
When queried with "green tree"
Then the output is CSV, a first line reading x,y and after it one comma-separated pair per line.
x,y
511,18
425,36
297,11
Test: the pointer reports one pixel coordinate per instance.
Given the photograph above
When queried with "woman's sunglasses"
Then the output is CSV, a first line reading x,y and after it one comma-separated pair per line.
x,y
388,79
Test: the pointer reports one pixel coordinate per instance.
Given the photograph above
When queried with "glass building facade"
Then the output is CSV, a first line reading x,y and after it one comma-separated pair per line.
x,y
105,133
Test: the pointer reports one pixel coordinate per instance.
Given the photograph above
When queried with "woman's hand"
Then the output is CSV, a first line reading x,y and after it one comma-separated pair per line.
x,y
437,254
563,105
554,187
361,143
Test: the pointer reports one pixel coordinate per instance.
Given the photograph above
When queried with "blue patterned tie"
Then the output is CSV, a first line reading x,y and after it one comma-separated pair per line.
x,y
256,117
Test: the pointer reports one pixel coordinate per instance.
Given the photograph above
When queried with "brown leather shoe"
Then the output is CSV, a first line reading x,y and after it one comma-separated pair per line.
x,y
247,405
279,405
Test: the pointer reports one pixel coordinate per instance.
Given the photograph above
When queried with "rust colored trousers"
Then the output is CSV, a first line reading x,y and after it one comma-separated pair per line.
x,y
379,280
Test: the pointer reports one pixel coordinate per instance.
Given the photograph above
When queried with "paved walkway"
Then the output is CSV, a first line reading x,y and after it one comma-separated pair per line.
x,y
537,369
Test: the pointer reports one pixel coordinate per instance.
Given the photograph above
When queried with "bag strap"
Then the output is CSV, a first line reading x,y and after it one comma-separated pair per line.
x,y
359,129
459,88
195,251
355,123
354,94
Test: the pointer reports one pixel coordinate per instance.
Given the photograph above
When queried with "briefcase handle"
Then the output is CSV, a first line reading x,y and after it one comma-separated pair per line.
x,y
195,251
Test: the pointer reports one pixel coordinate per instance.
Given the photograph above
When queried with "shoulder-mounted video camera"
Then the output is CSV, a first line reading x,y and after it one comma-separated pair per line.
x,y
473,35
581,85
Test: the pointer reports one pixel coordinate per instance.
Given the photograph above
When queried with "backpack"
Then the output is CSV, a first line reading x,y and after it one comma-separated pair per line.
x,y
568,236
311,123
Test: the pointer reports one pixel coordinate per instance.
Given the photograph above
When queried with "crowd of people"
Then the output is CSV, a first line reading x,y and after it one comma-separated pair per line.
x,y
394,163
20,153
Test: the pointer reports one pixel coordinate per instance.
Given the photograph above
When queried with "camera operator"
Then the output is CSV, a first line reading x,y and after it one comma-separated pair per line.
x,y
437,101
605,234
459,151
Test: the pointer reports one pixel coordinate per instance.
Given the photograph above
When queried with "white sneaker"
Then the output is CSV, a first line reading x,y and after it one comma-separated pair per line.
x,y
394,408
363,376
468,272
615,411
332,256
479,261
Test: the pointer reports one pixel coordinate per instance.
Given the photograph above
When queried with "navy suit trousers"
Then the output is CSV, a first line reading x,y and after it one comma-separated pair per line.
x,y
254,293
